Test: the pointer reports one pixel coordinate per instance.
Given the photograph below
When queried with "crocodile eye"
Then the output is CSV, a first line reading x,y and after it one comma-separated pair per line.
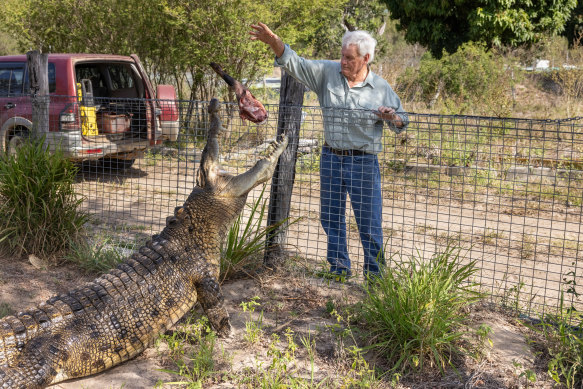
x,y
170,220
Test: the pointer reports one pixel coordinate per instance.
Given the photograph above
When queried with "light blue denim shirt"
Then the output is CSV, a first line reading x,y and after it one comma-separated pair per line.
x,y
349,118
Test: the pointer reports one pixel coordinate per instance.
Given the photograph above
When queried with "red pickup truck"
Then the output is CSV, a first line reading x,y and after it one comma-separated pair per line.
x,y
102,107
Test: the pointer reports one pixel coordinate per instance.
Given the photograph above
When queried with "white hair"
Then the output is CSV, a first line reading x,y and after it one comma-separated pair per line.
x,y
363,41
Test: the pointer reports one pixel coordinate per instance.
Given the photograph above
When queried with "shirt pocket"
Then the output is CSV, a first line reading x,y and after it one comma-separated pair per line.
x,y
334,111
366,115
336,96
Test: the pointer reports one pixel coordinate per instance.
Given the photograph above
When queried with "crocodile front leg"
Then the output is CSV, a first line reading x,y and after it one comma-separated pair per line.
x,y
212,301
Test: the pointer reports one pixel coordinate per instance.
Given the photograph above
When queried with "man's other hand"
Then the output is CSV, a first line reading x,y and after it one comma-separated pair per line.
x,y
388,113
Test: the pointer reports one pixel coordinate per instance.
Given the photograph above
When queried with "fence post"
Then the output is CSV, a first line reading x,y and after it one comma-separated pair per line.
x,y
291,99
38,75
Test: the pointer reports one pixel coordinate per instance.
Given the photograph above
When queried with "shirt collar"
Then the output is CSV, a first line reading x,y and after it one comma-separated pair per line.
x,y
368,80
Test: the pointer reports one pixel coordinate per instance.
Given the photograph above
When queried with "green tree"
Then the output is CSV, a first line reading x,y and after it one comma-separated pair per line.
x,y
368,15
446,24
574,26
176,39
7,44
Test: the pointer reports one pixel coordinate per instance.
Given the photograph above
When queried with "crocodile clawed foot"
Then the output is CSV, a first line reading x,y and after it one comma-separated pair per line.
x,y
211,175
261,172
273,148
227,332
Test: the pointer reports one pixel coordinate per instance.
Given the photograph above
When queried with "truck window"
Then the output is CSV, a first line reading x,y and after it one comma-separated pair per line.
x,y
92,72
51,75
11,78
52,78
108,79
121,77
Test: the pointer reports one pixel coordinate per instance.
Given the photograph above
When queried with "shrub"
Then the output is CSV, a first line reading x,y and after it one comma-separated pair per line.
x,y
414,314
39,208
471,80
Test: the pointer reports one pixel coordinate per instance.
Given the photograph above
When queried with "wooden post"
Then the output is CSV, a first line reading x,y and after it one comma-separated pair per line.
x,y
289,122
38,74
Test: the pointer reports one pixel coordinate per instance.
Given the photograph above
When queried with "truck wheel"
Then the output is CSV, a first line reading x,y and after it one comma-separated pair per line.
x,y
15,139
116,163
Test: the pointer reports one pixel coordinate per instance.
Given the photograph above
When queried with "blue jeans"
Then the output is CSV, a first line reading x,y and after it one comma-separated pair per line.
x,y
358,176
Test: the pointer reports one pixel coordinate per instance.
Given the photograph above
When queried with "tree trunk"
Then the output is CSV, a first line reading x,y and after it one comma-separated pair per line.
x,y
289,122
38,74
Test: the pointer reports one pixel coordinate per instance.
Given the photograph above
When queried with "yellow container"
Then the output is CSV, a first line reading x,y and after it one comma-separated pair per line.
x,y
86,108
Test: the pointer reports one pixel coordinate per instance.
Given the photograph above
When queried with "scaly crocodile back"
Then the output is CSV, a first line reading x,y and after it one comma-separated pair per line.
x,y
113,319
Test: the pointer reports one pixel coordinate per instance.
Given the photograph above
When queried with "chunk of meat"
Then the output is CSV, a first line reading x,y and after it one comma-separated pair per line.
x,y
249,107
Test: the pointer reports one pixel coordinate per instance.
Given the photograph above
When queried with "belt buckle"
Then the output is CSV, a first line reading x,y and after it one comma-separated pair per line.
x,y
339,152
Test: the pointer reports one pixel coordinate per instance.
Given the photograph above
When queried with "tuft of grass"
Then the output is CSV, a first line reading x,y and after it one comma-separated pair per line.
x,y
482,342
39,208
522,374
97,256
192,348
562,335
6,310
253,328
511,297
414,315
359,373
244,243
282,369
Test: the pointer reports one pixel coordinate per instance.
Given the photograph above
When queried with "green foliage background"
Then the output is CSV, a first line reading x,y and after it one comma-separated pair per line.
x,y
447,24
469,80
574,26
176,40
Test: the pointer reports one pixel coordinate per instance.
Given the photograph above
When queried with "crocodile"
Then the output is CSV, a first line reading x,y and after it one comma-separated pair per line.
x,y
115,317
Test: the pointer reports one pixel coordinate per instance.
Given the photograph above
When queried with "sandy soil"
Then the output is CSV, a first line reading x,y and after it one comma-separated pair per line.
x,y
294,302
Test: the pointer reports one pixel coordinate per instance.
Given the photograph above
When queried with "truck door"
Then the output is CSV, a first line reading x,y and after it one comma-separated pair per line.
x,y
153,109
13,102
11,87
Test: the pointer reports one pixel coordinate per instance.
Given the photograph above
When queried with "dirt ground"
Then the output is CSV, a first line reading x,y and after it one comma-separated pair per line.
x,y
521,246
298,303
135,205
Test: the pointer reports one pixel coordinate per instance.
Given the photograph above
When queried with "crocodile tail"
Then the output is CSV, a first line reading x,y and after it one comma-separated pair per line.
x,y
26,329
16,331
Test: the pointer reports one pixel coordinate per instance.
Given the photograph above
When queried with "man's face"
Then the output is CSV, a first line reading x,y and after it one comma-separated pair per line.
x,y
351,61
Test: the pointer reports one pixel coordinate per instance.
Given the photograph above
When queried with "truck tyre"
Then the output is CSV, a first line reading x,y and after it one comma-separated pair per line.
x,y
116,164
14,139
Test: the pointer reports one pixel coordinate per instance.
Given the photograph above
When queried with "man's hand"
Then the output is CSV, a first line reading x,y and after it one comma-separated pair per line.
x,y
388,113
262,33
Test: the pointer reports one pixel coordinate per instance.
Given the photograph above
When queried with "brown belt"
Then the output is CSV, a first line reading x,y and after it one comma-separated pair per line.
x,y
344,153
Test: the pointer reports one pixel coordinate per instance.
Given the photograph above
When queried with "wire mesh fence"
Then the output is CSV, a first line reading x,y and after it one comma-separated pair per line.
x,y
508,192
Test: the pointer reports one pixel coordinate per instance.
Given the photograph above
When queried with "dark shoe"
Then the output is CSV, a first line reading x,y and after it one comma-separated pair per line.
x,y
338,276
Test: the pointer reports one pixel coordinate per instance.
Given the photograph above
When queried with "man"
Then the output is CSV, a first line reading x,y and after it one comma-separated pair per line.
x,y
356,102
